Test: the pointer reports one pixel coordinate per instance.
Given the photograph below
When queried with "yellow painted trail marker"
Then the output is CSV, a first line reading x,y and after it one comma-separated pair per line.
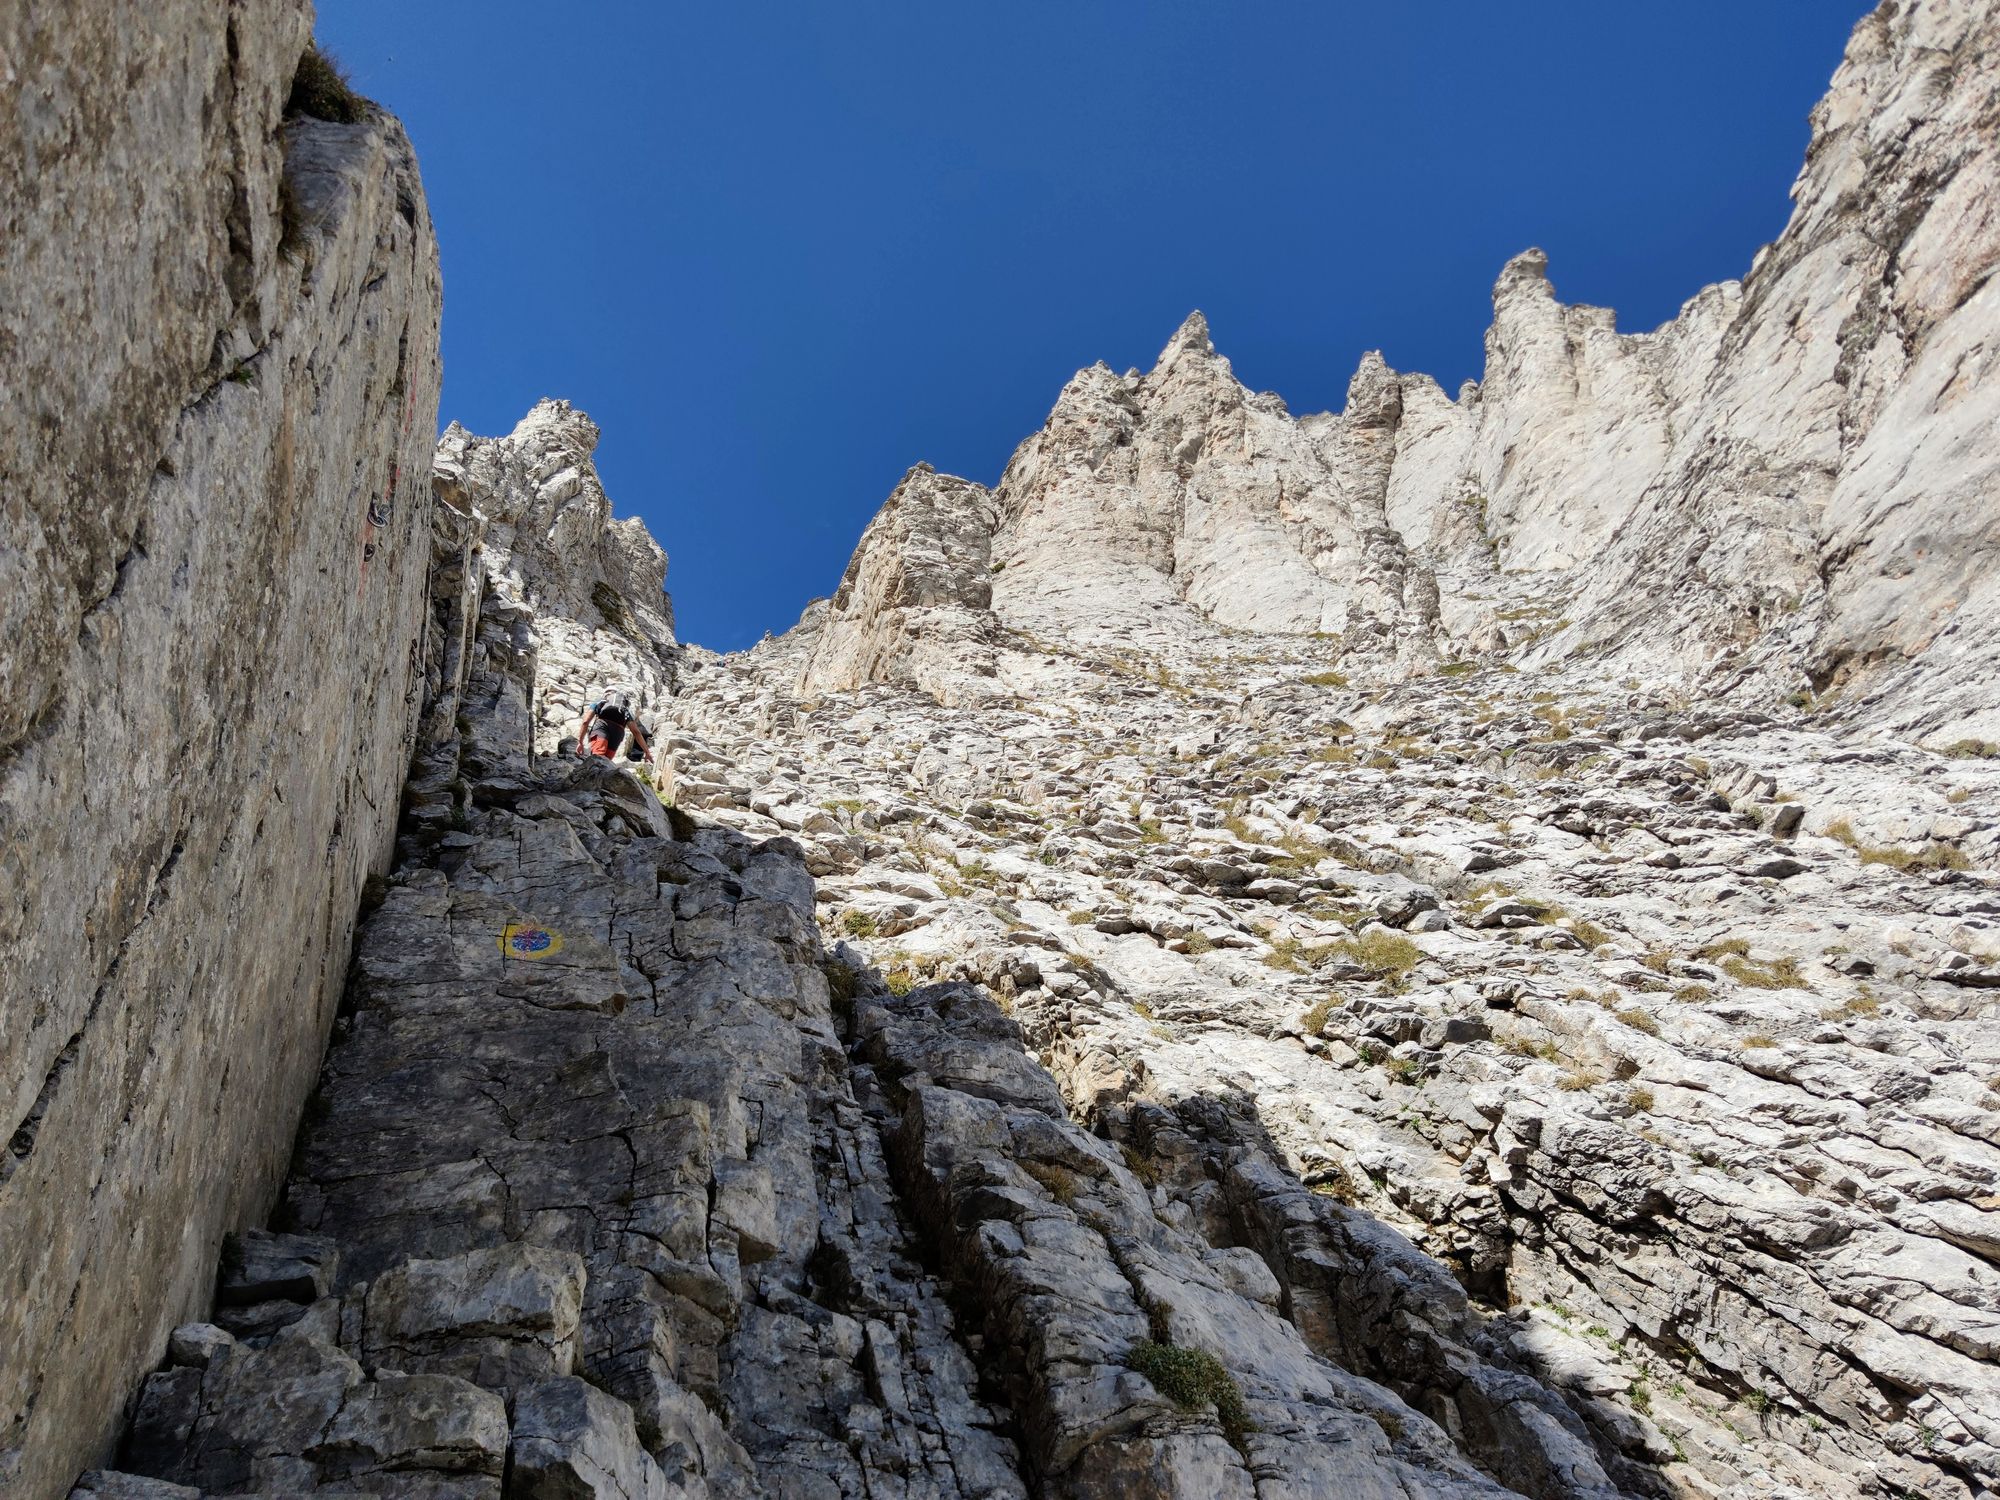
x,y
529,940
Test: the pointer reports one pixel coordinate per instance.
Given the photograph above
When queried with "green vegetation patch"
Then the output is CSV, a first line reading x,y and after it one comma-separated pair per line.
x,y
1191,1379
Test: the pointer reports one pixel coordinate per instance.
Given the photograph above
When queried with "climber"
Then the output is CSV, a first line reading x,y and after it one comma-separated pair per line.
x,y
605,723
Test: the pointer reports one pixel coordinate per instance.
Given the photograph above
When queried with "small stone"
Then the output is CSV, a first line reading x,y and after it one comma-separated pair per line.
x,y
196,1344
259,1266
104,1484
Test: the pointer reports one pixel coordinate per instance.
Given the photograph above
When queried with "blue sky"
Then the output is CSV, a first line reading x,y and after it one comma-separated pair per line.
x,y
783,251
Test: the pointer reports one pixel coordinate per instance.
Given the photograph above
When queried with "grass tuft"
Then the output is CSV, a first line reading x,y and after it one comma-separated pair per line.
x,y
1385,955
1060,1181
1931,856
320,89
1192,1378
1778,974
1518,1046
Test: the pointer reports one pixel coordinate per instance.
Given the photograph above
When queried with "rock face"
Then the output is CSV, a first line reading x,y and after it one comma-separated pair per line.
x,y
1789,485
1534,1037
617,1184
915,604
221,331
1413,952
1478,860
595,586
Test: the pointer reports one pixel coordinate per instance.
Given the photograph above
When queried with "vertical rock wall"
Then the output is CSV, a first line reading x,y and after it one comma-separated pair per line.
x,y
221,349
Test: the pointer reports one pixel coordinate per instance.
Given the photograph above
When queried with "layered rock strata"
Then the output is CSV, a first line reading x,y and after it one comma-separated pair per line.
x,y
1534,1036
222,383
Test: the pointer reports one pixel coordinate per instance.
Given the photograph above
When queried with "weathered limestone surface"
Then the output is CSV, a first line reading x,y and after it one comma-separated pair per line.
x,y
139,162
1062,1250
617,1185
1367,971
1148,502
1515,875
208,684
914,605
1534,1037
1789,486
1832,487
584,1203
595,585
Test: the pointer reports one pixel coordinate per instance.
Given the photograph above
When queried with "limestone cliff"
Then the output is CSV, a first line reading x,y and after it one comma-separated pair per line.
x,y
914,605
595,585
1524,866
221,354
1788,486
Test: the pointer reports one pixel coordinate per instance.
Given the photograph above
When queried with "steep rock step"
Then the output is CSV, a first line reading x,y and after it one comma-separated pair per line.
x,y
584,1204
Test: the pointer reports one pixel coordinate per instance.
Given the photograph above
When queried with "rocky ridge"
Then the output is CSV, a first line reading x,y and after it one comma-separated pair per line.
x,y
1786,489
1334,966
